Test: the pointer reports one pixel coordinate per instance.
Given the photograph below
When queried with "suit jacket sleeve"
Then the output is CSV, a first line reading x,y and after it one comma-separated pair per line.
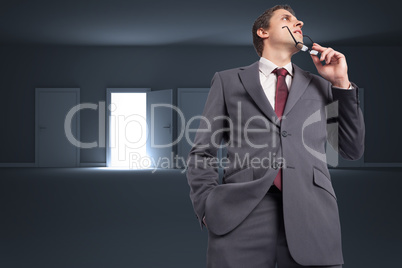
x,y
202,171
351,127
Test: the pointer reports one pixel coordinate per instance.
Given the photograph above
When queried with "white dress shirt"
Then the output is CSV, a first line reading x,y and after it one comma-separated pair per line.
x,y
268,79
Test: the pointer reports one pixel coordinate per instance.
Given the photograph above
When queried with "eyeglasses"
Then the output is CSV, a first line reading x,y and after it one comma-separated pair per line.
x,y
301,45
311,51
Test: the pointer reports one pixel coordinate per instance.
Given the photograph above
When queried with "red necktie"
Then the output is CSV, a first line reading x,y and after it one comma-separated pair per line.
x,y
281,96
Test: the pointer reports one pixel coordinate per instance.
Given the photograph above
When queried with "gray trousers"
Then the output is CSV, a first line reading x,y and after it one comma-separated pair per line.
x,y
258,242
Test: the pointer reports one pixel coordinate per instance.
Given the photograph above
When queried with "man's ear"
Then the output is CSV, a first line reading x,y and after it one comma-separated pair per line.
x,y
262,33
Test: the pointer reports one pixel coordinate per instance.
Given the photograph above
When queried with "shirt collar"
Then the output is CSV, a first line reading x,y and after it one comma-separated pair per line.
x,y
267,66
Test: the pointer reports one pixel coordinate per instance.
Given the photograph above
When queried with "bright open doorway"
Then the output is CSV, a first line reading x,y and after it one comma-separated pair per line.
x,y
126,128
138,122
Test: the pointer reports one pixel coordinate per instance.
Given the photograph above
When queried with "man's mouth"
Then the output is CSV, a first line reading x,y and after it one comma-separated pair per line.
x,y
298,32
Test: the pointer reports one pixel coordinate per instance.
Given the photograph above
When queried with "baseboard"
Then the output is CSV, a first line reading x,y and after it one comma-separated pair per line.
x,y
104,165
34,165
92,164
382,165
17,165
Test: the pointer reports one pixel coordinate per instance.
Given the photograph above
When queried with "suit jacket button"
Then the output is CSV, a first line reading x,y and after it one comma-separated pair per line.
x,y
284,133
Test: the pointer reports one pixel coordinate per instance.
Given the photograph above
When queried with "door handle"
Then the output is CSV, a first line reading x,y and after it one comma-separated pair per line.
x,y
168,128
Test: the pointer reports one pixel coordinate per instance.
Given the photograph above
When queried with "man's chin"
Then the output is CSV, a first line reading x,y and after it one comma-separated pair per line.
x,y
292,46
295,51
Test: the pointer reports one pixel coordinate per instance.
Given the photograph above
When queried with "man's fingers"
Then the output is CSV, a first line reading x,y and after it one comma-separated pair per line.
x,y
323,50
318,47
329,56
325,53
316,60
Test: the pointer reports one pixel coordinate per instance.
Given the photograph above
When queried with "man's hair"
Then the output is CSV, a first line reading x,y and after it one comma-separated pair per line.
x,y
263,21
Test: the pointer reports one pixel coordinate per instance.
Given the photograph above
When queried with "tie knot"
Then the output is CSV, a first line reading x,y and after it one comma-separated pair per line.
x,y
280,72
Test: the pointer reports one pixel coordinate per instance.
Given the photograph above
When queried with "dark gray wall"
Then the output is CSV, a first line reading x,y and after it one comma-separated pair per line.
x,y
93,69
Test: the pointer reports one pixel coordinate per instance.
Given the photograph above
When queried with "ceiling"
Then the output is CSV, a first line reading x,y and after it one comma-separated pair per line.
x,y
206,22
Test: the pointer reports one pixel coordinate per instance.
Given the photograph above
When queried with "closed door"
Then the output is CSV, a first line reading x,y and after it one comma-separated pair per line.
x,y
191,102
160,132
53,127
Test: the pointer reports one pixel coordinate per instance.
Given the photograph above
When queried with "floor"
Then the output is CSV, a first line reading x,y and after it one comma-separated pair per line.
x,y
97,217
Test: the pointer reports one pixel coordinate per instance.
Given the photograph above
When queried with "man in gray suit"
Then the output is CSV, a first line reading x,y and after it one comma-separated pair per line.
x,y
276,203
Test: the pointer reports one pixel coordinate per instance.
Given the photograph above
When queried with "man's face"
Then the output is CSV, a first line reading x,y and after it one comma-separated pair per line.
x,y
279,36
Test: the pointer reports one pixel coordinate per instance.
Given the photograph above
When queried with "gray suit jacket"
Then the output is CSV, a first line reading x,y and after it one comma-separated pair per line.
x,y
296,143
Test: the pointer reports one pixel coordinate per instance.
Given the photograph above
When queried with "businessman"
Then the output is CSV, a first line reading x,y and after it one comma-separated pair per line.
x,y
275,204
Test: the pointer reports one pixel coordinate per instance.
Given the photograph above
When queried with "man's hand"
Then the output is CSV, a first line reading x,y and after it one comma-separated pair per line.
x,y
335,69
203,220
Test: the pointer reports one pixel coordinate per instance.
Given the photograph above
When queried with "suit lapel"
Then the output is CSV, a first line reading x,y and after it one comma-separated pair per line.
x,y
300,81
250,78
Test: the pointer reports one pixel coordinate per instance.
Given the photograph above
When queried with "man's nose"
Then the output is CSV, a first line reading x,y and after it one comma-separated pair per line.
x,y
299,23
